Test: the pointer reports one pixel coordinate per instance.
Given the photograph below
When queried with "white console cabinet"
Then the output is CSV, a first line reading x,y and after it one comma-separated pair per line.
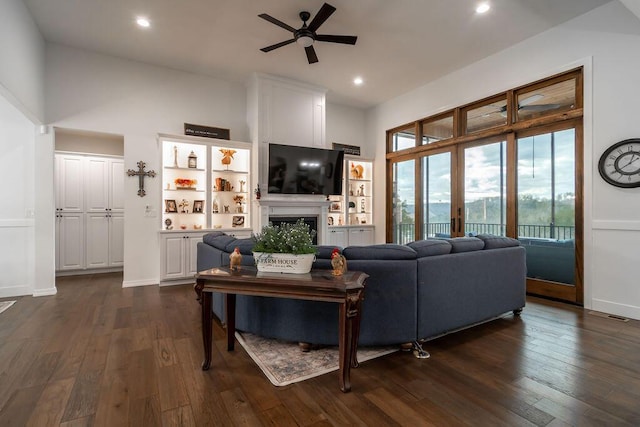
x,y
361,236
351,236
179,255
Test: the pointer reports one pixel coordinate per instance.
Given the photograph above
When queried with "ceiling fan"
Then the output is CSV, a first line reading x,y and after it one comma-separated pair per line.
x,y
306,35
524,105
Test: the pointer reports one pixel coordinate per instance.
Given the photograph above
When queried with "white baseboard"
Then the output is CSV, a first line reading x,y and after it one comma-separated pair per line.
x,y
616,308
136,283
62,273
45,292
15,291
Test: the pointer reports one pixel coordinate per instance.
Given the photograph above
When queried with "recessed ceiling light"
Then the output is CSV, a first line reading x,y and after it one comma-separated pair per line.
x,y
143,22
483,8
358,81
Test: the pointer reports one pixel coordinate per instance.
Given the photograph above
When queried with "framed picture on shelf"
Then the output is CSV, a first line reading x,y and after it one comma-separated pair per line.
x,y
198,206
237,221
335,207
170,206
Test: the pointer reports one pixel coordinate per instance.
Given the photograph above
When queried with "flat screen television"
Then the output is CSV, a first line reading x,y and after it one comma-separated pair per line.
x,y
304,170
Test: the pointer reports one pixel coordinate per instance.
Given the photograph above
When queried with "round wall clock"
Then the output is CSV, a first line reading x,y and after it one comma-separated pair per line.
x,y
619,165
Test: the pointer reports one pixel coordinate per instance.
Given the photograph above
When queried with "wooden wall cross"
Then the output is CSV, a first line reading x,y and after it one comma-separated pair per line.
x,y
140,173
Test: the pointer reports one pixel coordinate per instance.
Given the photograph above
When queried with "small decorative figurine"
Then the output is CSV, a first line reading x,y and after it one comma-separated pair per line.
x,y
338,263
235,259
175,156
257,191
242,183
356,171
238,199
227,156
184,204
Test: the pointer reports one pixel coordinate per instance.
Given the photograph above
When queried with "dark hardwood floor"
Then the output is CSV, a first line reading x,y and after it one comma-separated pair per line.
x,y
97,354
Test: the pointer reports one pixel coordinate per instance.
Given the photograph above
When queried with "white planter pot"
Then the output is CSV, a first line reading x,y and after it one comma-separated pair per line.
x,y
283,263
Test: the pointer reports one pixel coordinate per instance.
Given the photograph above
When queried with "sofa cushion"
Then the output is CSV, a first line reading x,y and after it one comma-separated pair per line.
x,y
465,244
324,251
430,247
387,251
218,241
245,246
495,242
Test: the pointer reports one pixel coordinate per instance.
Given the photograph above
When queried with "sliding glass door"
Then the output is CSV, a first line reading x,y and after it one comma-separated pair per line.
x,y
546,210
485,189
436,195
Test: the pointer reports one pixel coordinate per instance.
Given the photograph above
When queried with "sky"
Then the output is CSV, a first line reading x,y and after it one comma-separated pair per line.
x,y
482,170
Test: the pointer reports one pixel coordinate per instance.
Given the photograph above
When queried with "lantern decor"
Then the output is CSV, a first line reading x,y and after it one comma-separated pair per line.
x,y
193,160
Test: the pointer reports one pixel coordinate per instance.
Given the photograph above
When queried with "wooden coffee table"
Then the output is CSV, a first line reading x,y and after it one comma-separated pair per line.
x,y
318,285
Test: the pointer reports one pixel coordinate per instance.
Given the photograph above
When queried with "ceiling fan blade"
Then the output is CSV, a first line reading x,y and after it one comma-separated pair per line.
x,y
277,45
337,39
540,107
277,22
311,54
323,14
530,99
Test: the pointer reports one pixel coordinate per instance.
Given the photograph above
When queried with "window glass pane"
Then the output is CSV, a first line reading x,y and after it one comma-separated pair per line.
x,y
486,116
403,139
546,205
565,184
485,189
547,100
437,130
404,190
436,202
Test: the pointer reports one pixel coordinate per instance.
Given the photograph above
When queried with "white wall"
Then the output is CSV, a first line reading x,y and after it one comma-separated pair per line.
x,y
27,241
17,207
22,65
89,142
100,93
346,125
607,42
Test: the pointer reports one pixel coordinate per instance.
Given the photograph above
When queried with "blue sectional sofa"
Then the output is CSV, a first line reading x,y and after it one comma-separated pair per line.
x,y
415,292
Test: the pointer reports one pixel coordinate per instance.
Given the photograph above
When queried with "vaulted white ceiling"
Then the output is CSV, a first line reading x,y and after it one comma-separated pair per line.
x,y
402,44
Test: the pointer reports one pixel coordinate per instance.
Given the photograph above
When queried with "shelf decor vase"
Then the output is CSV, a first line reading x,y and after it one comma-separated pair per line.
x,y
283,263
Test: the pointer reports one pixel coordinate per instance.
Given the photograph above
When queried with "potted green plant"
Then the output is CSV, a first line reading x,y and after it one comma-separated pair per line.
x,y
285,248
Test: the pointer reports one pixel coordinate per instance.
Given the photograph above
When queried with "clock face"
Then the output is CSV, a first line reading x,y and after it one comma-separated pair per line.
x,y
620,164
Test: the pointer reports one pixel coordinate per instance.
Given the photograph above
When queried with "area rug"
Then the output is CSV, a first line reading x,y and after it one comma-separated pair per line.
x,y
284,363
5,305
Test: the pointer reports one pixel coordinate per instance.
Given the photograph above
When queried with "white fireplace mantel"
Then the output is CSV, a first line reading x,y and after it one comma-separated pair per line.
x,y
297,207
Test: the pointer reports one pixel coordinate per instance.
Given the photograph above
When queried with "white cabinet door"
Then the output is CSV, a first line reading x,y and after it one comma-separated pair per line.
x,y
96,184
116,185
192,250
338,237
71,243
69,183
97,240
116,240
179,255
173,255
361,236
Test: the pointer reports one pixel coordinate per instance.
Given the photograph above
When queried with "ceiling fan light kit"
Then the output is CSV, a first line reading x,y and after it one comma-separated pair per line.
x,y
306,36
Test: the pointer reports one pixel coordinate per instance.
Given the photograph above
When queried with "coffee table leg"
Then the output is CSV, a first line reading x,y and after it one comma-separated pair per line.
x,y
231,321
206,329
344,348
356,331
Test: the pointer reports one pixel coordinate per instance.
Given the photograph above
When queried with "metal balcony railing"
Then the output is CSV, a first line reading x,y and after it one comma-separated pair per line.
x,y
405,232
